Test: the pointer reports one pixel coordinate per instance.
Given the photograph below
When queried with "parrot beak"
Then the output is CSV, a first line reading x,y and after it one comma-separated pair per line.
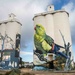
x,y
34,28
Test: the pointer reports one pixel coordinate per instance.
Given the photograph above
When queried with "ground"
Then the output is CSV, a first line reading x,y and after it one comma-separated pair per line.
x,y
26,70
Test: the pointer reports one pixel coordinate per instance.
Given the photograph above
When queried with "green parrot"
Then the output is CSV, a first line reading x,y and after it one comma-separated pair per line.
x,y
42,41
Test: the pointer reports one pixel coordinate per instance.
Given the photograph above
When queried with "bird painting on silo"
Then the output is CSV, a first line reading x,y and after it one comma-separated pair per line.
x,y
48,26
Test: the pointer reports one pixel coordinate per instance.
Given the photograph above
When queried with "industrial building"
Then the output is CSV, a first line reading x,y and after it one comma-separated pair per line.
x,y
54,21
10,34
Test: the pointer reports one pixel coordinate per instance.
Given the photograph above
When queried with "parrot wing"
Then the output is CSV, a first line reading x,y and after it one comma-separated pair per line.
x,y
49,40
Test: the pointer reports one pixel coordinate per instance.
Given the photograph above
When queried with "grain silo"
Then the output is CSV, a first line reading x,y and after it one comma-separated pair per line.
x,y
55,22
10,35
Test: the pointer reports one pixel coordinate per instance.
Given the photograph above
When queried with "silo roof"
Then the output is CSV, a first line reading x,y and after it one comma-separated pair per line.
x,y
11,20
49,12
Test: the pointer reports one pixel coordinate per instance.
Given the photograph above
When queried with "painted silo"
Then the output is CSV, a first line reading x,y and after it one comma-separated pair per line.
x,y
53,21
10,35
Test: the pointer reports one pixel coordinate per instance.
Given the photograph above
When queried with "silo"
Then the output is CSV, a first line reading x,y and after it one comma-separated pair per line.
x,y
54,22
10,40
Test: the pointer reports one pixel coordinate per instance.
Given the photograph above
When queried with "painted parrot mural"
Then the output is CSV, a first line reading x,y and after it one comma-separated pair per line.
x,y
45,44
42,41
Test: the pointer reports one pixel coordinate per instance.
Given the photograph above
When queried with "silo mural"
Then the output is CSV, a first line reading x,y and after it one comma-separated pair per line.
x,y
50,36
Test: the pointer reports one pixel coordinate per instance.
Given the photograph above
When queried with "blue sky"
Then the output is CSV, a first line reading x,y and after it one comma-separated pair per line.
x,y
25,10
59,3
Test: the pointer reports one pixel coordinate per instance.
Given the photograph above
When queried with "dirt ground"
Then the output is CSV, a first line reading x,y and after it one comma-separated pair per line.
x,y
24,70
